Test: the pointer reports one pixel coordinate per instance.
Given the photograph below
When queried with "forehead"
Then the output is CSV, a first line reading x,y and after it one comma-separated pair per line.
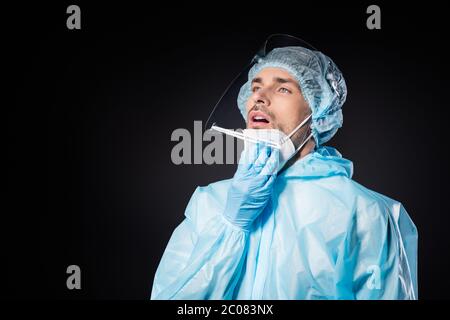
x,y
273,72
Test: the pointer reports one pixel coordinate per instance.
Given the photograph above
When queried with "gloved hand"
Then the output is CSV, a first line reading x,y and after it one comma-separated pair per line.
x,y
251,185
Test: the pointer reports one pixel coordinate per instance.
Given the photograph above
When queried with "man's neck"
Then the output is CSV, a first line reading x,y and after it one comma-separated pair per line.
x,y
307,149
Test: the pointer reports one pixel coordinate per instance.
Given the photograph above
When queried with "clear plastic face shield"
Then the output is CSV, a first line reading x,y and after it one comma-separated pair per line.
x,y
227,119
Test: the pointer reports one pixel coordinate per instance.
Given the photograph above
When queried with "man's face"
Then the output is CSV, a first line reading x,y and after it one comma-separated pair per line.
x,y
276,101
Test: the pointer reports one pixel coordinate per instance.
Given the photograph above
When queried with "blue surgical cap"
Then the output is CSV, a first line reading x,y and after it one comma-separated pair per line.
x,y
321,82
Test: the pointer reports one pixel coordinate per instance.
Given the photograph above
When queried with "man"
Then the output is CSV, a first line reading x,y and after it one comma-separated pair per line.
x,y
297,229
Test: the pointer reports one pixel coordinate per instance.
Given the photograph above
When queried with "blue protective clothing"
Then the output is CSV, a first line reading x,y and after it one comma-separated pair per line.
x,y
320,236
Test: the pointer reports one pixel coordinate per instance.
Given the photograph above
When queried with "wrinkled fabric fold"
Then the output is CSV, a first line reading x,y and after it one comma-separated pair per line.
x,y
208,269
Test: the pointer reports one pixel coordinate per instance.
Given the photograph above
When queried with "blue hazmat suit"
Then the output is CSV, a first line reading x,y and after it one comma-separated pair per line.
x,y
321,236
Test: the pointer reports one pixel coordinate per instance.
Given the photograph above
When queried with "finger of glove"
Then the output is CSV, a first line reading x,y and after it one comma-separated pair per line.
x,y
263,156
269,182
271,165
248,156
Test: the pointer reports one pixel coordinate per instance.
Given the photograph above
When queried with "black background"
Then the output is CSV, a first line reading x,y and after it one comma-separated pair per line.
x,y
89,175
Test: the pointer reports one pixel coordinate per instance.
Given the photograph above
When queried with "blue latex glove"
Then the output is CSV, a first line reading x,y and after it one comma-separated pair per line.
x,y
252,184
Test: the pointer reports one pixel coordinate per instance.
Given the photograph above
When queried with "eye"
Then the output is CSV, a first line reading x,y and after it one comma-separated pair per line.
x,y
255,88
284,90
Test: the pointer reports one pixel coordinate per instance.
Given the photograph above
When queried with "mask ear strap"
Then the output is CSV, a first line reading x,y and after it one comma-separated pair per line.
x,y
299,126
300,146
303,143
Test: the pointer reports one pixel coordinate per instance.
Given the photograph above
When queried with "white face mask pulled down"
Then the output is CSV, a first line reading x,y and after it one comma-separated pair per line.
x,y
272,137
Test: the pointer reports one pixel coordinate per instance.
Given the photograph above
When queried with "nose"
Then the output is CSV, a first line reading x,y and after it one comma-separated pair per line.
x,y
260,97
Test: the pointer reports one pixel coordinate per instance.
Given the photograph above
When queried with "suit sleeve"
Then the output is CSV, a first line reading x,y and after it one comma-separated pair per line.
x,y
204,256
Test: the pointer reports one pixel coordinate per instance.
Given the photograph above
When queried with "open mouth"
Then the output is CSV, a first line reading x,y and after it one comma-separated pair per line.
x,y
258,119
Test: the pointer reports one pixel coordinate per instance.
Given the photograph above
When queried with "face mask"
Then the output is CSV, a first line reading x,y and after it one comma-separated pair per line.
x,y
273,137
276,139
